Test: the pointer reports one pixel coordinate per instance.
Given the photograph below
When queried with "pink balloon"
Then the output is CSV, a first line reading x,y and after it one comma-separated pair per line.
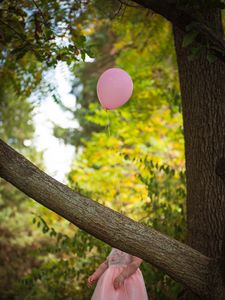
x,y
114,88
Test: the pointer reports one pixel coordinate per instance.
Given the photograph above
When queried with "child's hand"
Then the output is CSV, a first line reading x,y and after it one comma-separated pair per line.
x,y
118,281
91,280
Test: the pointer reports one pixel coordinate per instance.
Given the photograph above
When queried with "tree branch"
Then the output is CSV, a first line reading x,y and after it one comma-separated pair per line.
x,y
178,260
182,19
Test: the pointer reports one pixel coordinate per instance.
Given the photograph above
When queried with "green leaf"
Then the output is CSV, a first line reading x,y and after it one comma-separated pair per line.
x,y
83,54
189,38
80,41
191,26
90,52
126,156
195,53
45,229
211,58
56,99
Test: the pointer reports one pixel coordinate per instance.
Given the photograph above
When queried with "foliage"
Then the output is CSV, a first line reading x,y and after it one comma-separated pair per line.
x,y
134,163
125,160
66,263
70,259
48,29
134,48
17,129
35,36
131,159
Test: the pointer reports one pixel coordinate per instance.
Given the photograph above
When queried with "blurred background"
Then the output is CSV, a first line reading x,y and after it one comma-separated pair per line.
x,y
130,159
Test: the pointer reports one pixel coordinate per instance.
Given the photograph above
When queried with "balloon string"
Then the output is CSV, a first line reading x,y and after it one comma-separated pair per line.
x,y
108,125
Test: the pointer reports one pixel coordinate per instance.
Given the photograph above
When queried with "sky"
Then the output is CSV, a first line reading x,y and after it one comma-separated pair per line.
x,y
57,156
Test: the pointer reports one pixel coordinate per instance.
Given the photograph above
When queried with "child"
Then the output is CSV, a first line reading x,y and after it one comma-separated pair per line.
x,y
119,278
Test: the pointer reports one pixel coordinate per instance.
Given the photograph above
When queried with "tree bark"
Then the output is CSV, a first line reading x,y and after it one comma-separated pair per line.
x,y
178,260
203,104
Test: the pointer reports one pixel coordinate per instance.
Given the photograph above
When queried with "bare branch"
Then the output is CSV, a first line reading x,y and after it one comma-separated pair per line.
x,y
41,13
128,4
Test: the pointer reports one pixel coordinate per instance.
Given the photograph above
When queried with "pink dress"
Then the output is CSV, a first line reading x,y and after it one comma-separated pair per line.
x,y
133,287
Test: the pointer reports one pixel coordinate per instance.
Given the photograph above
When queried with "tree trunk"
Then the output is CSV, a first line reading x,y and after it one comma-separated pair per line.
x,y
203,104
